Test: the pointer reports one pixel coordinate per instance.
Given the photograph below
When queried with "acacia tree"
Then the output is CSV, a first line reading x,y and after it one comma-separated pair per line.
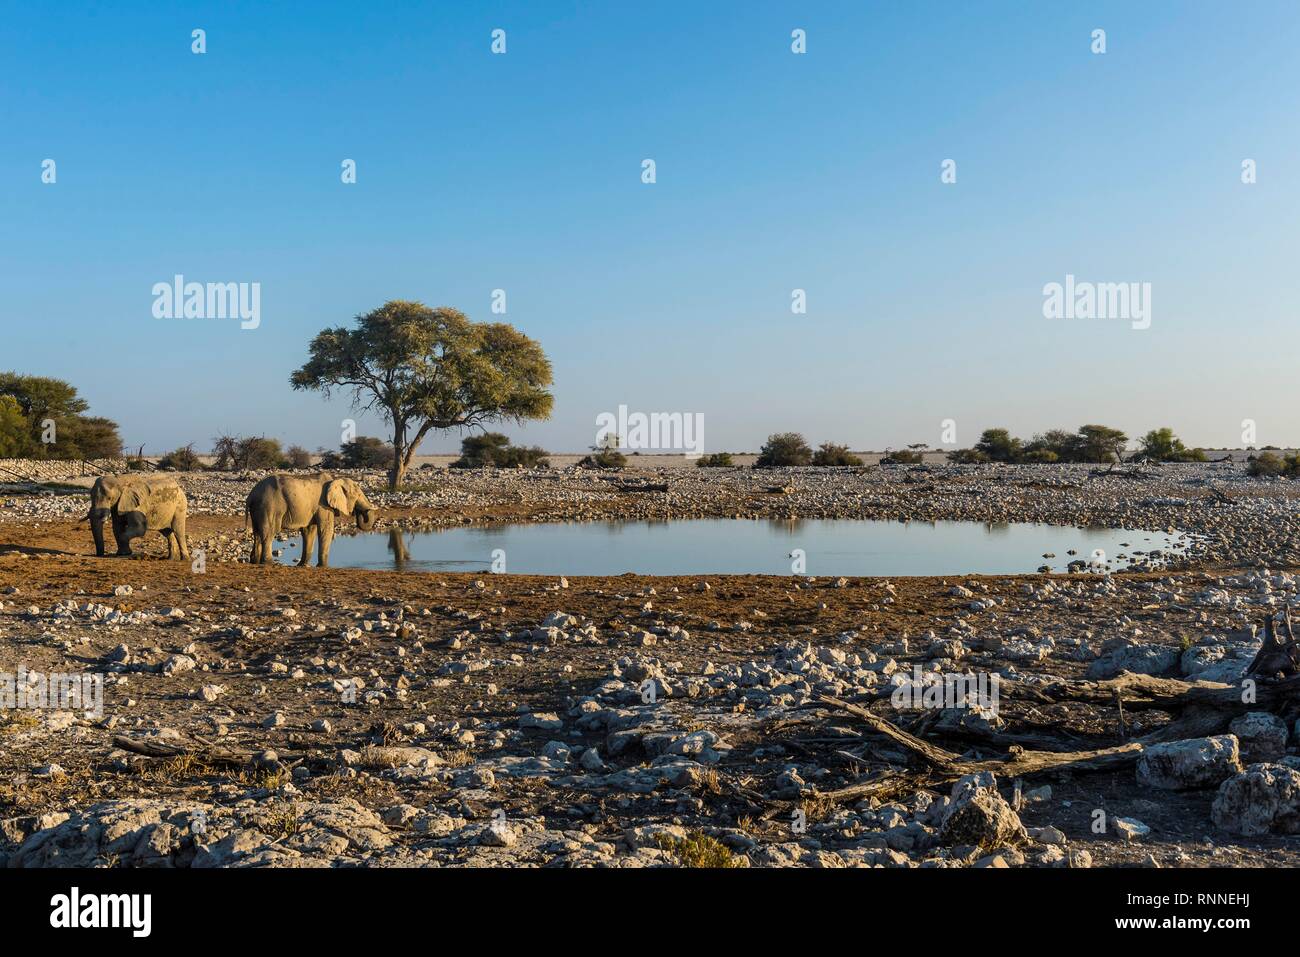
x,y
425,369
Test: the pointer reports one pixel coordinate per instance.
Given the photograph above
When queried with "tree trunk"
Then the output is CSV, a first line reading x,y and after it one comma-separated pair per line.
x,y
398,470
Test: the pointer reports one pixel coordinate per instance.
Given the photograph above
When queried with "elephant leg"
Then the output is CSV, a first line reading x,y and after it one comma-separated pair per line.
x,y
268,548
263,535
170,535
178,532
123,540
326,536
308,544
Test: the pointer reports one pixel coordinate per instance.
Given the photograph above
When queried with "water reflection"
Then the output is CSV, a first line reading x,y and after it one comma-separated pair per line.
x,y
738,547
397,544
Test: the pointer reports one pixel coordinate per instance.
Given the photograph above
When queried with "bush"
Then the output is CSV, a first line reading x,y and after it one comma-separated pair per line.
x,y
902,457
998,445
603,459
494,449
521,457
1054,445
1161,445
784,448
967,457
1267,465
260,453
828,453
236,453
365,452
718,460
184,459
297,457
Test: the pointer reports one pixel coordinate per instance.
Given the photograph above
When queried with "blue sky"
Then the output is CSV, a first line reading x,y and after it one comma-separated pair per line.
x,y
775,171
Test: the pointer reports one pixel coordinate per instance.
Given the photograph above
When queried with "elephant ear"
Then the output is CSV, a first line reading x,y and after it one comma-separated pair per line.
x,y
335,496
129,500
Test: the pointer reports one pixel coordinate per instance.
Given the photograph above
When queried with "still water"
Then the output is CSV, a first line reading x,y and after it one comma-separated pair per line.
x,y
743,547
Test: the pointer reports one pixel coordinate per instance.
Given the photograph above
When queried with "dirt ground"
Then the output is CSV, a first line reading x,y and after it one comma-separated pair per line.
x,y
274,638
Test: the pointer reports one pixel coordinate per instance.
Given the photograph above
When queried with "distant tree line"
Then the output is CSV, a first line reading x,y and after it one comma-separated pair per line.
x,y
1096,444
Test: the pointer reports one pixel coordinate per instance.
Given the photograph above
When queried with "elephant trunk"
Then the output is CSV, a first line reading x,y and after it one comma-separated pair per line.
x,y
365,518
97,529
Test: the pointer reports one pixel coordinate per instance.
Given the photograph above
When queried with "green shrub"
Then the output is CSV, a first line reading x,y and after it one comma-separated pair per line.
x,y
967,457
784,448
699,850
902,457
603,459
365,452
494,449
184,459
998,445
237,453
15,442
718,460
1266,465
297,457
1161,445
29,404
828,453
1041,456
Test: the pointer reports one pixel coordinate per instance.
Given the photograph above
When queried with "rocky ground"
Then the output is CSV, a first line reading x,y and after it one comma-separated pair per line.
x,y
308,717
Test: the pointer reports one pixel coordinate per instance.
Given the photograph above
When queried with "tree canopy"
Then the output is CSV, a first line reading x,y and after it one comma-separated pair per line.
x,y
425,368
28,407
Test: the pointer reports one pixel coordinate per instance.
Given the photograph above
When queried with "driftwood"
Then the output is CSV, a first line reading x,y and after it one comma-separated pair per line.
x,y
1277,657
1198,708
942,767
1222,496
1018,761
641,486
205,750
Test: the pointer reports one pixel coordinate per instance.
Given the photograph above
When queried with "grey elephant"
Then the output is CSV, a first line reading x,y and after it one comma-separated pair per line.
x,y
307,504
151,507
104,495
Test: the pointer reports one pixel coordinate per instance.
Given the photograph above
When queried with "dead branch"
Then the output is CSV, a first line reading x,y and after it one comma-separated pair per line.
x,y
206,751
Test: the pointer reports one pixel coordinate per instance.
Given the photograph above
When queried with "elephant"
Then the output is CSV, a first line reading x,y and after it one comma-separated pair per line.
x,y
104,495
151,507
307,504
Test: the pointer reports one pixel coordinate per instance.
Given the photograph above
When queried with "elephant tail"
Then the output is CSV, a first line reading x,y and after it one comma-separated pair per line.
x,y
246,516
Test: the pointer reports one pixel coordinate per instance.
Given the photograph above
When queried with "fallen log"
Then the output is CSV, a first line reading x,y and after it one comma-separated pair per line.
x,y
1199,708
211,753
943,767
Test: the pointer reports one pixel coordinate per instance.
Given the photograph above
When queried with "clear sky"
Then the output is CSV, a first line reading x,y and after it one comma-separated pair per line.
x,y
775,171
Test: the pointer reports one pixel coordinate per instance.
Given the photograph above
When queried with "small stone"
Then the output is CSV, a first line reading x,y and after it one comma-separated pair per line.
x,y
1130,828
